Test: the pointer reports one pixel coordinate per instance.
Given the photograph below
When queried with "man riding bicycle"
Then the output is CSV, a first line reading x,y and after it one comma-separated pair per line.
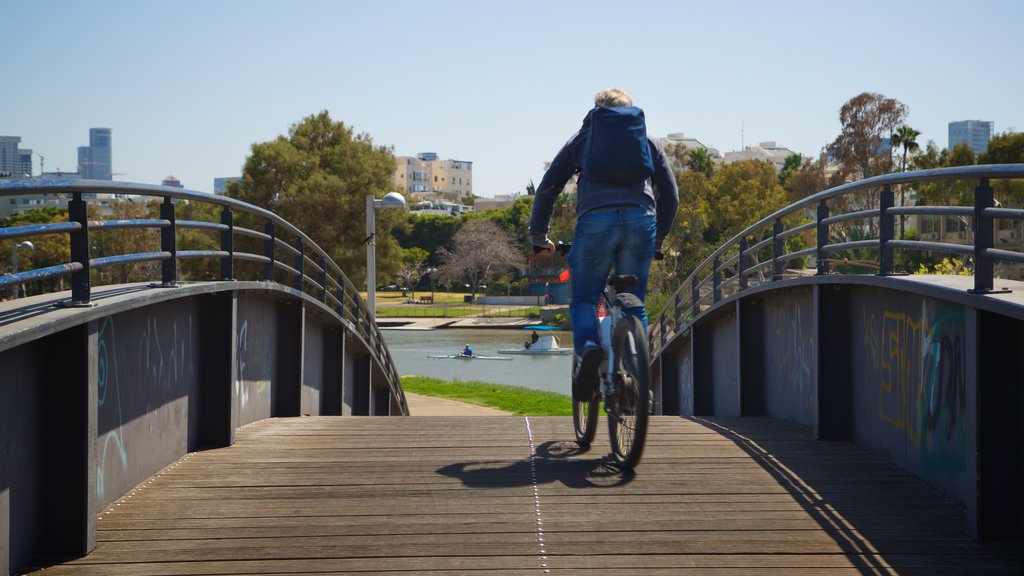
x,y
626,200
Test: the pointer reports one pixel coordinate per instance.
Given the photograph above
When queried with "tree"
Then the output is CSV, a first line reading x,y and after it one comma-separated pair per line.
x,y
700,161
413,264
48,250
530,188
867,119
431,232
905,137
742,193
807,180
318,177
1006,148
480,251
791,165
126,241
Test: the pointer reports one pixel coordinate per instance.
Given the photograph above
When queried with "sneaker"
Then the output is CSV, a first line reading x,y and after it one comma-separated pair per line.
x,y
584,382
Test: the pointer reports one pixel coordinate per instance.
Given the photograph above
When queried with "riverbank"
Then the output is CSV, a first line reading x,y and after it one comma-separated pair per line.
x,y
516,400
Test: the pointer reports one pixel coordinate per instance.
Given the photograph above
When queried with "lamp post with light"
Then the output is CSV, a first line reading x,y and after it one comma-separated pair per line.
x,y
432,272
26,245
391,200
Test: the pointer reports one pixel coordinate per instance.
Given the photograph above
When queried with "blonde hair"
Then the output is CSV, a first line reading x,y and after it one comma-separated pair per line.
x,y
612,97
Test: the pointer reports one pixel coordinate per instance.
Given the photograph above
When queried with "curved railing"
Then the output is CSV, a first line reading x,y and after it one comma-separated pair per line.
x,y
759,253
310,269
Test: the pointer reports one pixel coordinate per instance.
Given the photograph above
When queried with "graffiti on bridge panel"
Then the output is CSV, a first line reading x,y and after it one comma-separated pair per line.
x,y
922,393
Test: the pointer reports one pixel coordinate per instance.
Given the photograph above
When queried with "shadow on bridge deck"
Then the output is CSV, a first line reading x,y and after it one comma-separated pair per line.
x,y
513,495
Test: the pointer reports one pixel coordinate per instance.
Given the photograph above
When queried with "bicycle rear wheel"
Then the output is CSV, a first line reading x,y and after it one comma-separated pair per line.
x,y
629,405
584,416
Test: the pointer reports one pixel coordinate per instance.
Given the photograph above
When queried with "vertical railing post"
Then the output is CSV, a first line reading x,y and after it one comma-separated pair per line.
x,y
695,296
80,281
169,243
227,244
822,238
321,295
886,230
268,251
983,232
340,295
678,316
744,263
777,250
300,264
716,279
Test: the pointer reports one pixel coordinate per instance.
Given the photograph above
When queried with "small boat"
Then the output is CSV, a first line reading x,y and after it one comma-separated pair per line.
x,y
546,345
461,356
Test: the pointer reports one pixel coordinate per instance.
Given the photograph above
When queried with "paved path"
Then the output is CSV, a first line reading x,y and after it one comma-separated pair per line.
x,y
430,406
509,496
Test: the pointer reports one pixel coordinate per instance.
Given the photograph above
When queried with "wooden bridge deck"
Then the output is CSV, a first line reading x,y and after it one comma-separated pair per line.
x,y
513,495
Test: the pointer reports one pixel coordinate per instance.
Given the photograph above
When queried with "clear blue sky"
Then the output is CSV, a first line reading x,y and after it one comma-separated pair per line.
x,y
188,85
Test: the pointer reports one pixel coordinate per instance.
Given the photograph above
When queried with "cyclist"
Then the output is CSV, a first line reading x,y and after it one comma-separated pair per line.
x,y
617,223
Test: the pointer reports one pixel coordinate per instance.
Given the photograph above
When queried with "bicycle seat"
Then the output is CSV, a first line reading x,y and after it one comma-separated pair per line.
x,y
620,283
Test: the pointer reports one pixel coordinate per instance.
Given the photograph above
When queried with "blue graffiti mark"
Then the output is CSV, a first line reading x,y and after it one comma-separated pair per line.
x,y
114,436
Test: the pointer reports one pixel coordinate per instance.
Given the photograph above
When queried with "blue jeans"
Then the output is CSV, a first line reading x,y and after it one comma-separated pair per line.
x,y
619,237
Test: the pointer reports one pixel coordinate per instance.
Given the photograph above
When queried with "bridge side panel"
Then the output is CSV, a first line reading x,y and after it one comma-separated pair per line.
x,y
312,367
910,385
256,354
148,360
19,458
790,361
685,375
725,365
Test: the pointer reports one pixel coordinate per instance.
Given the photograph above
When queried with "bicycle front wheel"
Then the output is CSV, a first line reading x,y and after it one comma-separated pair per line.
x,y
629,405
584,416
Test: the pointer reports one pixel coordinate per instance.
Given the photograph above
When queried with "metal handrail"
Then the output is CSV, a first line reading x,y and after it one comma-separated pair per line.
x,y
694,291
307,264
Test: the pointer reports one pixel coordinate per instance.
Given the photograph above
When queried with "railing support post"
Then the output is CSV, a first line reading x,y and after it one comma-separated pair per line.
x,y
716,279
169,243
744,263
80,281
268,251
822,238
300,264
983,232
695,296
886,231
321,295
227,244
777,248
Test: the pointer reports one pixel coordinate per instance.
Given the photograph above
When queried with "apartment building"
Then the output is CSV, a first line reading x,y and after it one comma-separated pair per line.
x,y
427,176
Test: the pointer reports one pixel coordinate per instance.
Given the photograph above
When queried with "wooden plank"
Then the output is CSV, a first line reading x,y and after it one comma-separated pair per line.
x,y
447,494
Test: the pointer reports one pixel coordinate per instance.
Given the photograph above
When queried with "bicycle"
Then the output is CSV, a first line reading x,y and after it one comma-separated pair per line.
x,y
625,376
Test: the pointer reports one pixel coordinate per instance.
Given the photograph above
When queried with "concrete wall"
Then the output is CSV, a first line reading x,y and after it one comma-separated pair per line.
x,y
789,355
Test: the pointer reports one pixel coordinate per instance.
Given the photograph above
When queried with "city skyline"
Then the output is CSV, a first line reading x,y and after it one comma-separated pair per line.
x,y
188,90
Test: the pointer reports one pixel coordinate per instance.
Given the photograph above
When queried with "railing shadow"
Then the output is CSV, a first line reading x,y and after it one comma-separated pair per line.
x,y
554,461
835,512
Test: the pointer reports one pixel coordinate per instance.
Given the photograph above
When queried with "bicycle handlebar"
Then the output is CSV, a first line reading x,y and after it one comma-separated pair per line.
x,y
563,249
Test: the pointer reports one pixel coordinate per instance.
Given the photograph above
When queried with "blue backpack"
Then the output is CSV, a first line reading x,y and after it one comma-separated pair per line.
x,y
616,149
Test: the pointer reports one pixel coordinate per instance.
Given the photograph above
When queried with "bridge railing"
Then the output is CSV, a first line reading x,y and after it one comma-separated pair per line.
x,y
764,251
287,252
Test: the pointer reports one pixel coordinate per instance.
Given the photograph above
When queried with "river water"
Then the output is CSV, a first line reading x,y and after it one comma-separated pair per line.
x,y
411,348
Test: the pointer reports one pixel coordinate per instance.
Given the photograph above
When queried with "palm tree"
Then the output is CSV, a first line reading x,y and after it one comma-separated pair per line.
x,y
905,137
700,161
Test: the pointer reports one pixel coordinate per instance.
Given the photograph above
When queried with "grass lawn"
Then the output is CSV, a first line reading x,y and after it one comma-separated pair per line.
x,y
513,399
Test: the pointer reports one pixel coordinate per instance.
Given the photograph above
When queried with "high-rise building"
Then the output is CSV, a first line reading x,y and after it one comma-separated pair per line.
x,y
9,158
95,161
974,133
427,175
220,185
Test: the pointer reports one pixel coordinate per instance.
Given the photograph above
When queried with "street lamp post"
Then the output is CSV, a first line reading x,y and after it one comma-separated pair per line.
x,y
391,200
26,245
431,271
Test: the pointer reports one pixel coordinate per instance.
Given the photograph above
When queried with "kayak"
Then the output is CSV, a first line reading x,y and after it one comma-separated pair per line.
x,y
468,357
